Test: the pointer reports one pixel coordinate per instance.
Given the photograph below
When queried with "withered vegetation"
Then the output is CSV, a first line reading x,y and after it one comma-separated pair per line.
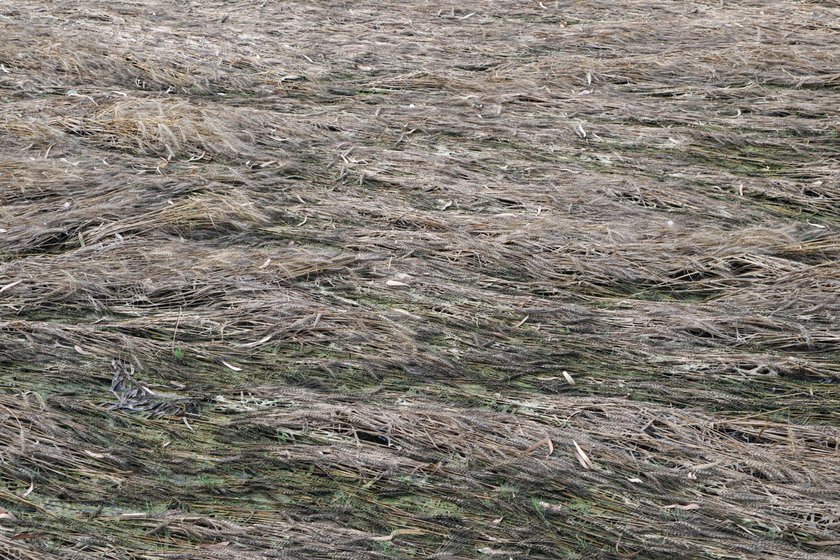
x,y
419,279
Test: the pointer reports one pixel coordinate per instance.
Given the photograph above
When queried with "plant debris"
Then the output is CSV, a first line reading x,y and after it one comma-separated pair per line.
x,y
408,280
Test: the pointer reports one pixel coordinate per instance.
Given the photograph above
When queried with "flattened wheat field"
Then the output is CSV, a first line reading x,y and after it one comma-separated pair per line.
x,y
381,280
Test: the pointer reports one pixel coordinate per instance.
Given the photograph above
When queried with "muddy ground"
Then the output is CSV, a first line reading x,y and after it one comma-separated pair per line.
x,y
419,279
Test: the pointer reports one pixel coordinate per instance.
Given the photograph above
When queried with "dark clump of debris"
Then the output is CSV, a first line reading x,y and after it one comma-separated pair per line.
x,y
134,397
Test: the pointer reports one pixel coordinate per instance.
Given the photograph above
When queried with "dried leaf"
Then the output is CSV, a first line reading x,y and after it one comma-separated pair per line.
x,y
133,515
256,343
539,444
550,508
221,544
497,552
27,536
233,367
8,286
396,533
582,458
